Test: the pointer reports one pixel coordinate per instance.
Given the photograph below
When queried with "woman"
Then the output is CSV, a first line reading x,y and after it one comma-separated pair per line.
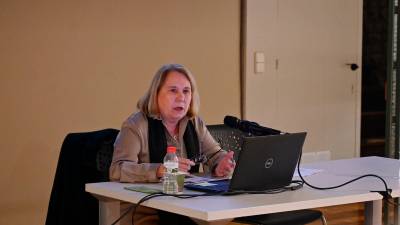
x,y
167,117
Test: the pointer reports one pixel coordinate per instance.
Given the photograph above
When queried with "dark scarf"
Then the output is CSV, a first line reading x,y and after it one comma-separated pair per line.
x,y
158,142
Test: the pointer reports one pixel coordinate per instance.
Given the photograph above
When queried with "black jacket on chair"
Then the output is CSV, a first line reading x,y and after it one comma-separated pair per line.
x,y
84,158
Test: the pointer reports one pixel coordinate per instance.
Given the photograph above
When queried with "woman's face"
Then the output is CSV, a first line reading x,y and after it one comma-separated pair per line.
x,y
174,97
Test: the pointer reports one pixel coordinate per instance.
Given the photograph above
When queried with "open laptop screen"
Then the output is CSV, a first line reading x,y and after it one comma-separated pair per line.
x,y
264,163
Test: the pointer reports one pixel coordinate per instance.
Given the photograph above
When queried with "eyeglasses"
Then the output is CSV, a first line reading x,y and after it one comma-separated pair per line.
x,y
202,158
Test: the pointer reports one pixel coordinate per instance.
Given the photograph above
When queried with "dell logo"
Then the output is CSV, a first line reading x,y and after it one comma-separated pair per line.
x,y
269,163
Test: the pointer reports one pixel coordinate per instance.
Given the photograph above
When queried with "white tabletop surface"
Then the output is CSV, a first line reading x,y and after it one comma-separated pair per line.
x,y
222,207
347,169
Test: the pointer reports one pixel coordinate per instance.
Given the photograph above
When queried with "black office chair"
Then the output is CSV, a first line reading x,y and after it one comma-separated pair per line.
x,y
232,139
84,158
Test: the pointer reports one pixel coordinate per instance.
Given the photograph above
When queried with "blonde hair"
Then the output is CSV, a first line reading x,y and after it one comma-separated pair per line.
x,y
148,103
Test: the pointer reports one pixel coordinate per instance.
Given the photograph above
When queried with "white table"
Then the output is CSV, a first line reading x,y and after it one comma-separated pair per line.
x,y
222,208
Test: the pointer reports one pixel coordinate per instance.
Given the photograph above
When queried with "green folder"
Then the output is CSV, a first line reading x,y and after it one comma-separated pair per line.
x,y
143,189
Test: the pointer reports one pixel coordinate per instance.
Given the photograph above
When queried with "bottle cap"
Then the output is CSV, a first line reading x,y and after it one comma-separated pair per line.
x,y
171,149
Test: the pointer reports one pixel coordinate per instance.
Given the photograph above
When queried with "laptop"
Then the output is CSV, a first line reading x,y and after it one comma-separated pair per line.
x,y
264,163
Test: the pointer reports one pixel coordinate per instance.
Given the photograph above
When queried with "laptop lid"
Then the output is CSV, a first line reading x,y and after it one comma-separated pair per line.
x,y
264,163
267,162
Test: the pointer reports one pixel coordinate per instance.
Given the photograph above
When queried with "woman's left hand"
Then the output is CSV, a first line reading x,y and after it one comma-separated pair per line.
x,y
185,164
225,166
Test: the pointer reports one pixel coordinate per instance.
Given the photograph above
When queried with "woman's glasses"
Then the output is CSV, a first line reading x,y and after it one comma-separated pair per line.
x,y
202,158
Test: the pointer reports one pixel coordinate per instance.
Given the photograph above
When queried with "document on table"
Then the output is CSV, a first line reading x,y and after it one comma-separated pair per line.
x,y
190,178
306,172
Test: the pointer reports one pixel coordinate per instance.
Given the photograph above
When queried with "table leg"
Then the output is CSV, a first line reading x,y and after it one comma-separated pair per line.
x,y
385,213
109,211
373,212
396,211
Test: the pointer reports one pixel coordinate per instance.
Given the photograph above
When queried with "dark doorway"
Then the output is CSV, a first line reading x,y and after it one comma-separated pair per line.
x,y
374,54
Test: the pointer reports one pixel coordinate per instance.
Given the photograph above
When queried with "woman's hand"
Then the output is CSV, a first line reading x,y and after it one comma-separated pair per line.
x,y
160,171
225,166
185,164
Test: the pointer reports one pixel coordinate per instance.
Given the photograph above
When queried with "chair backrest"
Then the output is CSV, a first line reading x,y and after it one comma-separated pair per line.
x,y
228,138
84,158
104,157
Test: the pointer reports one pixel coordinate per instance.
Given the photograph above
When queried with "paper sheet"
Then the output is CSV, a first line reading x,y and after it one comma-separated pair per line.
x,y
197,179
306,172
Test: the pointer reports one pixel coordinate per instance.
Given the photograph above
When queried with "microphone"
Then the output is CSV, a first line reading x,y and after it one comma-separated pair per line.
x,y
232,121
249,126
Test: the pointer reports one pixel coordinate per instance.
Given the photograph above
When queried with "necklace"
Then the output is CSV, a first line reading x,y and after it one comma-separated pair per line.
x,y
175,137
174,132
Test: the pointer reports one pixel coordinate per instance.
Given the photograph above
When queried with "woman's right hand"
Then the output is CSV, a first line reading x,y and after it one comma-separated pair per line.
x,y
160,171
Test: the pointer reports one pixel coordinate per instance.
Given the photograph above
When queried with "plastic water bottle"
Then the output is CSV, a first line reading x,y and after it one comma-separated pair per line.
x,y
170,183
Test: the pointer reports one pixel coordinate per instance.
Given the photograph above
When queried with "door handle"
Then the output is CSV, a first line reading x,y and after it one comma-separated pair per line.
x,y
353,66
